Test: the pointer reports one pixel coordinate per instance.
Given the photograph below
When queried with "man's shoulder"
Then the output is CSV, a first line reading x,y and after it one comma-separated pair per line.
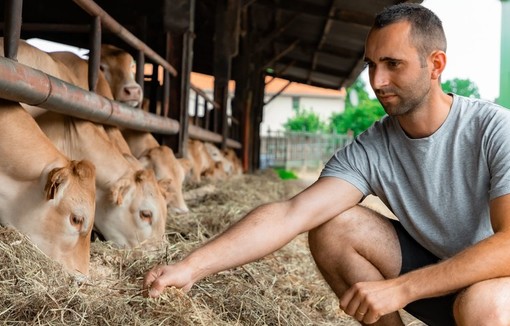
x,y
476,103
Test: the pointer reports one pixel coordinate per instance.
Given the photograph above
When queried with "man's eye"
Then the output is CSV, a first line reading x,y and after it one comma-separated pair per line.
x,y
393,64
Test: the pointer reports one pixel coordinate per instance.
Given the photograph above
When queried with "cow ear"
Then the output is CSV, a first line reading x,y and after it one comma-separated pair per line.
x,y
118,190
165,186
56,179
145,161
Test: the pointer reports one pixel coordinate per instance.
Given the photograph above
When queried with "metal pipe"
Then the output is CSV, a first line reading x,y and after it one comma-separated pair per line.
x,y
13,9
33,87
95,52
204,95
93,9
209,136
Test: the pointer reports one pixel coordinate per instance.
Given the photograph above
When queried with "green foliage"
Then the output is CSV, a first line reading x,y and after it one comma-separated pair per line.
x,y
356,118
286,174
305,120
464,87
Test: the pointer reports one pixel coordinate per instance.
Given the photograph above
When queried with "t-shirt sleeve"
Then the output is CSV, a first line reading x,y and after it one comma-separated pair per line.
x,y
498,155
349,163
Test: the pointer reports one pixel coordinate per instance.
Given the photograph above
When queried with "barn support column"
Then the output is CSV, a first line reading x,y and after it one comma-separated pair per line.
x,y
225,47
179,25
12,29
257,114
95,52
248,101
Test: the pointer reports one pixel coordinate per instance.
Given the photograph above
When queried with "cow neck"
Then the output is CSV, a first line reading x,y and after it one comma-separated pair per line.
x,y
23,141
92,142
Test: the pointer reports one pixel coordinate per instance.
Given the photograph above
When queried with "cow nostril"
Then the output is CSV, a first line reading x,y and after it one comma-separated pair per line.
x,y
146,215
132,90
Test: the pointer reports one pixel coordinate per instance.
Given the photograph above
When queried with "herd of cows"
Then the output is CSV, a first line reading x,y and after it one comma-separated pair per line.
x,y
62,177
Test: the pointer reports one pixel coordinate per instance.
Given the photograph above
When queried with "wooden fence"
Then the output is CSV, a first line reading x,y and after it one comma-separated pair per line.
x,y
299,150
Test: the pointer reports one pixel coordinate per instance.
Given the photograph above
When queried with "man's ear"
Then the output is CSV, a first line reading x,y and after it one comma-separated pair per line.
x,y
438,59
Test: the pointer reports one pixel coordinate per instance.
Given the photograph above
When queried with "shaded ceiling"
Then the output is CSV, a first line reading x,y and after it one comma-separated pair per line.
x,y
315,42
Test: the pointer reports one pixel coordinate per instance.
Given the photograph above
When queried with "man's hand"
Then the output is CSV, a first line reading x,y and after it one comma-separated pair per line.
x,y
162,276
367,302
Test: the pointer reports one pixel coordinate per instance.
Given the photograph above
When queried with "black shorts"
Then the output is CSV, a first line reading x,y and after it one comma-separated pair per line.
x,y
436,311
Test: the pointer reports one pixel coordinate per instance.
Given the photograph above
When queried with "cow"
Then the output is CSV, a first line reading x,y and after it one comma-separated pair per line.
x,y
117,66
162,160
202,164
130,205
45,195
219,159
230,155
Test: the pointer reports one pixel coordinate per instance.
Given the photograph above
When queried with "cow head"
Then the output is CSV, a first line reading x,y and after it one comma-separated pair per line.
x,y
135,213
218,157
118,68
170,173
64,234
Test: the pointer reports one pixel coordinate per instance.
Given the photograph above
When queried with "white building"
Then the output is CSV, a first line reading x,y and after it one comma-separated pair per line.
x,y
323,102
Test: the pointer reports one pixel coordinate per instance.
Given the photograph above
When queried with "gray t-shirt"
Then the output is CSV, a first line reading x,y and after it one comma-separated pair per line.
x,y
439,186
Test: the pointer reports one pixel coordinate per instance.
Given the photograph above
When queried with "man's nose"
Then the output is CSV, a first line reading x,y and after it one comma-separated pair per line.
x,y
379,78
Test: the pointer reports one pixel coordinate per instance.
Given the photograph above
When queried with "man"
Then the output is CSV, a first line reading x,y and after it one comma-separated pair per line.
x,y
440,162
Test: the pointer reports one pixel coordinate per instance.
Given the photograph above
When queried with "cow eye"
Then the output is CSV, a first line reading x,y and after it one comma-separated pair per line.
x,y
146,215
76,220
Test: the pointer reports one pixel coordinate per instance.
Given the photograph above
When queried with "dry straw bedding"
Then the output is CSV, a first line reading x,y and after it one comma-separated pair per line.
x,y
281,289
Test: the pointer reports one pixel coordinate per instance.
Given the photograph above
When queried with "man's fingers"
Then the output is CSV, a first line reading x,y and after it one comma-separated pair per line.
x,y
152,284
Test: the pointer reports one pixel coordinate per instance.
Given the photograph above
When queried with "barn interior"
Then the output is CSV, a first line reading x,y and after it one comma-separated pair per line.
x,y
315,42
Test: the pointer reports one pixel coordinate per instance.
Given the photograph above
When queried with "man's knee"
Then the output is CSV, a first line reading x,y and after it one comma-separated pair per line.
x,y
484,303
334,232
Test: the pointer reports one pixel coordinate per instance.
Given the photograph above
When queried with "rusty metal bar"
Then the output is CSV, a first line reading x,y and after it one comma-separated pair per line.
x,y
45,27
93,9
33,87
205,96
209,136
140,67
12,31
95,53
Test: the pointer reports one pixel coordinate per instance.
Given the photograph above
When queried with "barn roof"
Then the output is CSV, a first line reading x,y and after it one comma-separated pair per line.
x,y
315,42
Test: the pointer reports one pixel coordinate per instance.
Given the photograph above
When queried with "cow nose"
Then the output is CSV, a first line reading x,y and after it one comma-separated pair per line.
x,y
133,91
146,215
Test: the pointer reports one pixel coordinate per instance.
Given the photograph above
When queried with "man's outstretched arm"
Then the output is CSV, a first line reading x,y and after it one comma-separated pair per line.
x,y
261,232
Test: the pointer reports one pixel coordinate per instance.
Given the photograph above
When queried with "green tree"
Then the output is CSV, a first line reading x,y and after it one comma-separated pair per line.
x,y
464,87
304,120
357,116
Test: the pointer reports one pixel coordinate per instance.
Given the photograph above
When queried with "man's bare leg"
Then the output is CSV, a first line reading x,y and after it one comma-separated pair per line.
x,y
358,245
484,303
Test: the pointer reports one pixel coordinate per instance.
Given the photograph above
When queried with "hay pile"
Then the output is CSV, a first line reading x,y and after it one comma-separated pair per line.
x,y
281,289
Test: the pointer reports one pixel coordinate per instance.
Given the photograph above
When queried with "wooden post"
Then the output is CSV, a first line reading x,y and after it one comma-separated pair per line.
x,y
12,29
179,52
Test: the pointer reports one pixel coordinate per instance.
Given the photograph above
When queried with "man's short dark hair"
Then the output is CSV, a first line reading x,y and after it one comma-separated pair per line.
x,y
427,32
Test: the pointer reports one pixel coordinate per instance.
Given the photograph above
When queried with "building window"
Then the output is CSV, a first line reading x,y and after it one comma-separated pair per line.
x,y
295,103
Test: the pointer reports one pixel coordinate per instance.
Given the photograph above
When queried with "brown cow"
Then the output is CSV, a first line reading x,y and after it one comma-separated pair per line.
x,y
202,164
237,167
43,193
162,160
117,66
130,208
